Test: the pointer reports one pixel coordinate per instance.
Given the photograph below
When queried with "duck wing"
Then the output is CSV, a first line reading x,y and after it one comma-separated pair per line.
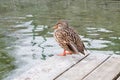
x,y
69,40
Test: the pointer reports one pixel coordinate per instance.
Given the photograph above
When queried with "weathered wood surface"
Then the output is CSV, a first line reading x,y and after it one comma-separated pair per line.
x,y
106,71
51,68
75,67
83,68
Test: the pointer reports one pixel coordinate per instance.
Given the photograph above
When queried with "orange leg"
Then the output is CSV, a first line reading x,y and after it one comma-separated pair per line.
x,y
62,54
68,52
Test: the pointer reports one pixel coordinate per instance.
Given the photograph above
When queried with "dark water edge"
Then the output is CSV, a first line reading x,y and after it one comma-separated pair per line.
x,y
26,35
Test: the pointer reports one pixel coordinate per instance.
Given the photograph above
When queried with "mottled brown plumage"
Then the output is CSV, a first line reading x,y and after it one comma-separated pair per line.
x,y
68,39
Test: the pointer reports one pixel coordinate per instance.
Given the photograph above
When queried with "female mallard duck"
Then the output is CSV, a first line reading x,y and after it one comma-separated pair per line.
x,y
68,39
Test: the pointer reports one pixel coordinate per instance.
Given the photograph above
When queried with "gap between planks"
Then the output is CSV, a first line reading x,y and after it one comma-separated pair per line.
x,y
96,67
84,67
71,67
118,78
109,70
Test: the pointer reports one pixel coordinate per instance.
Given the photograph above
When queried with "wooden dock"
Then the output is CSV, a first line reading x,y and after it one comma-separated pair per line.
x,y
75,67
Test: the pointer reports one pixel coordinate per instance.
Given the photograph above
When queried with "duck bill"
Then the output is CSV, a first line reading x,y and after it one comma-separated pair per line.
x,y
55,27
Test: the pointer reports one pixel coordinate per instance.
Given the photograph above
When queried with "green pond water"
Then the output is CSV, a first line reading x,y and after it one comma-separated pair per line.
x,y
26,34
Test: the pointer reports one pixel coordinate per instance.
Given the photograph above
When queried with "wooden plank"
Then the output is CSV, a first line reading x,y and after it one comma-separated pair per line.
x,y
84,67
107,71
50,68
